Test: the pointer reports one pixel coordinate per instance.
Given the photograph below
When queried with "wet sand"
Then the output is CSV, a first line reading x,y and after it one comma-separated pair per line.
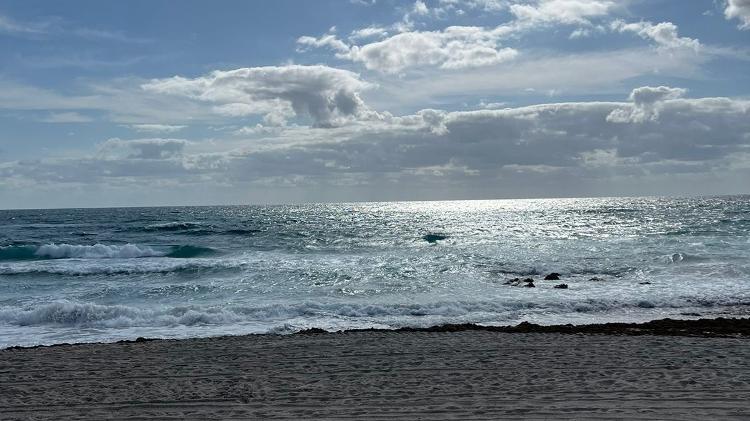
x,y
448,373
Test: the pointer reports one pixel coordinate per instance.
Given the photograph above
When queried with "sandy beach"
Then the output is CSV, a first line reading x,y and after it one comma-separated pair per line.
x,y
373,375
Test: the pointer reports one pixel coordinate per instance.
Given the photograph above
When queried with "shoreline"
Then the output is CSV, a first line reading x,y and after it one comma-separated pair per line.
x,y
611,371
727,327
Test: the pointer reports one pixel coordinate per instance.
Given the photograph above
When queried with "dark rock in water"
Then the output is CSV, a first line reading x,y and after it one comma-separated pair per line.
x,y
561,286
691,314
554,276
645,283
311,331
434,238
514,282
595,279
719,327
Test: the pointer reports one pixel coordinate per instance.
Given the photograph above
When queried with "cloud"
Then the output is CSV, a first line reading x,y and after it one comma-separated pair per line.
x,y
458,47
12,27
324,94
455,47
569,12
664,34
738,9
362,34
547,149
579,74
43,29
647,103
648,95
157,148
66,117
156,128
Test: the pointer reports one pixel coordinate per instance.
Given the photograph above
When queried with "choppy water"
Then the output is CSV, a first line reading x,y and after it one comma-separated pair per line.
x,y
106,274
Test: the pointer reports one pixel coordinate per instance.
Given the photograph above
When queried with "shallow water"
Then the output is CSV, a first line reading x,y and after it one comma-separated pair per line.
x,y
105,274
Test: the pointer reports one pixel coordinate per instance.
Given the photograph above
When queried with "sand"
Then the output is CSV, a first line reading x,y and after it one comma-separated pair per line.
x,y
466,375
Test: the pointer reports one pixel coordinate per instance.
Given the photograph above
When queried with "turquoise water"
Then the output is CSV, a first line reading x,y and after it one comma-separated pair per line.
x,y
78,275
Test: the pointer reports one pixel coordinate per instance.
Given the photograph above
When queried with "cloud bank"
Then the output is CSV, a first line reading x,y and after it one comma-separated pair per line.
x,y
658,134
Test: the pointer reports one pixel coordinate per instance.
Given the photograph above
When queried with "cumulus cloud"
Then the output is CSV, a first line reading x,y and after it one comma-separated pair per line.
x,y
740,10
647,102
562,11
648,95
324,94
664,34
458,47
455,47
522,150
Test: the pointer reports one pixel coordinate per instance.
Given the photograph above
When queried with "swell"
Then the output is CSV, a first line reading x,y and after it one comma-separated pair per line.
x,y
99,251
191,228
190,267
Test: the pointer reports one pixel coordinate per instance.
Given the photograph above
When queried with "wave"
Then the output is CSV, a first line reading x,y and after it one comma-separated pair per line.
x,y
188,267
98,251
173,226
192,229
242,231
17,253
66,313
186,252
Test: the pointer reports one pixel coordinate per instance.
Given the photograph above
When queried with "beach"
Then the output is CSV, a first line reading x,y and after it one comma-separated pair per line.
x,y
694,371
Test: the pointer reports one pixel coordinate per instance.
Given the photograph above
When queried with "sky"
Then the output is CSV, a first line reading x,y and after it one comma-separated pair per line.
x,y
151,102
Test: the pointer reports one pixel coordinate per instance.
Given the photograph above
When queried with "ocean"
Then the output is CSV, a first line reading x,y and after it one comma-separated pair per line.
x,y
93,275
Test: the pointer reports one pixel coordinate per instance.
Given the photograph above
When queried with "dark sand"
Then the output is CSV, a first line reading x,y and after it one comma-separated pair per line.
x,y
629,372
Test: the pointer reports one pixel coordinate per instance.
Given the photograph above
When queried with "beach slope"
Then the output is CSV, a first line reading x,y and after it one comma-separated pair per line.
x,y
463,374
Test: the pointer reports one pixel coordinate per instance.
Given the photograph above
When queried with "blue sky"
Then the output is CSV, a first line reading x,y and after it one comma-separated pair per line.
x,y
156,102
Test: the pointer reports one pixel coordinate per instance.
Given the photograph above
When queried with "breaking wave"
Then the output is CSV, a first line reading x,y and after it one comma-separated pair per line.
x,y
98,251
173,226
91,315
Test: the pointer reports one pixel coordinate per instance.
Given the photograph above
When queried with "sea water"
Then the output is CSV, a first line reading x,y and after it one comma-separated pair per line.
x,y
84,275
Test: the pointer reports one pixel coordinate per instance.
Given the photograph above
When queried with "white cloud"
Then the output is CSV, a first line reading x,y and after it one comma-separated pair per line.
x,y
420,8
459,47
647,103
567,12
664,34
328,40
738,9
648,95
326,95
156,128
362,34
455,47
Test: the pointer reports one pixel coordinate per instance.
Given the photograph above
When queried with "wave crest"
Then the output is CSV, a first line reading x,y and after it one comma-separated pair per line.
x,y
172,226
119,316
99,251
